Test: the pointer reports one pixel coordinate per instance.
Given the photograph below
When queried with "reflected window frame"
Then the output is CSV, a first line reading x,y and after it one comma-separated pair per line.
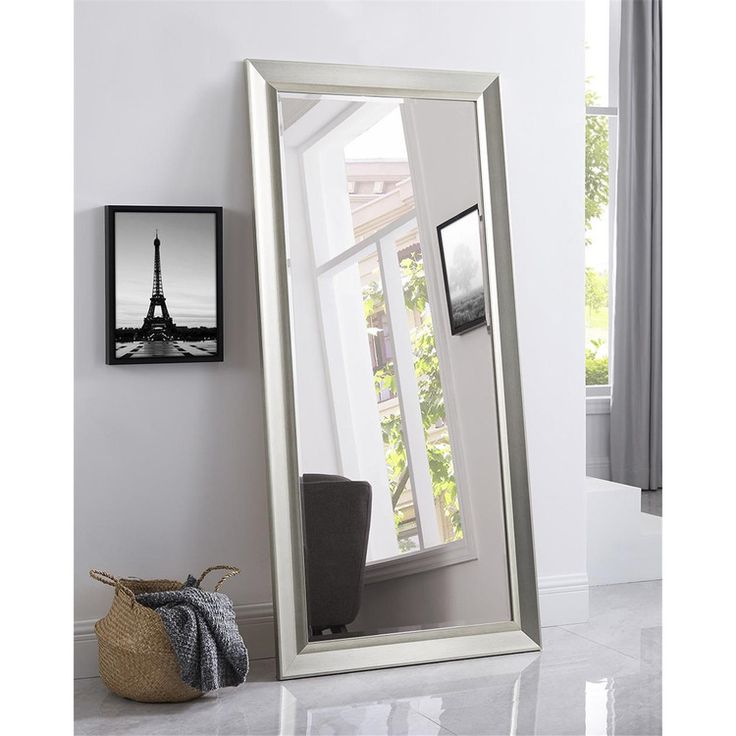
x,y
330,253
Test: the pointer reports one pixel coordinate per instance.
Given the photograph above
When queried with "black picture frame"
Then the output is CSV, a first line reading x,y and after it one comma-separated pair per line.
x,y
463,317
176,350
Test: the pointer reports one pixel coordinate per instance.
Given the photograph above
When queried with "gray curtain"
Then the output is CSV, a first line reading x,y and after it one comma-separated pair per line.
x,y
636,406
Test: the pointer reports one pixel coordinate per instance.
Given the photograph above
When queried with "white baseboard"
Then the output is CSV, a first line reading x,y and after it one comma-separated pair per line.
x,y
563,599
255,621
85,649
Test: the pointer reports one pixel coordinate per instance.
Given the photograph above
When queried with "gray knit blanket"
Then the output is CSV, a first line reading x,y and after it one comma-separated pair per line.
x,y
203,633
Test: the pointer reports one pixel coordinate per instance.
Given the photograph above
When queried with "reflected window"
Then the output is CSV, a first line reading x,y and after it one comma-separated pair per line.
x,y
599,707
379,336
380,192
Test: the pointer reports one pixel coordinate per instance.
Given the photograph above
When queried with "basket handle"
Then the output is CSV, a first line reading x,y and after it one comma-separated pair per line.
x,y
232,571
111,580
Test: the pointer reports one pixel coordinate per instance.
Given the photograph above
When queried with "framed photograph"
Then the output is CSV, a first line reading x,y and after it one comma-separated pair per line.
x,y
462,269
164,284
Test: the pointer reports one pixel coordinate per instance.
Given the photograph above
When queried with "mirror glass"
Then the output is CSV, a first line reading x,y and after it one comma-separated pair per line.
x,y
397,428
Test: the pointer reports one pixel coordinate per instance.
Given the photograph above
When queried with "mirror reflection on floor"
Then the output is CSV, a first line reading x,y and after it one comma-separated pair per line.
x,y
599,677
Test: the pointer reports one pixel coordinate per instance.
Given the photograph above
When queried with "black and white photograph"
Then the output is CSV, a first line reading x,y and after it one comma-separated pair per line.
x,y
462,269
164,284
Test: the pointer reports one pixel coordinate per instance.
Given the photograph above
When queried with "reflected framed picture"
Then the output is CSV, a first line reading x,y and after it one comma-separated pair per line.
x,y
164,284
462,269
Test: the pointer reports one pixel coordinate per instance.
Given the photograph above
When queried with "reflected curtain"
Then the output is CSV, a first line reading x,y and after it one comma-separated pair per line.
x,y
636,405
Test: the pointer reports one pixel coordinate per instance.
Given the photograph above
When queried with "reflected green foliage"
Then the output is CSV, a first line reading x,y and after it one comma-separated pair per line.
x,y
431,397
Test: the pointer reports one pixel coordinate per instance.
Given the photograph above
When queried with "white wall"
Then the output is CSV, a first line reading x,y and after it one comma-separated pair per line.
x,y
170,473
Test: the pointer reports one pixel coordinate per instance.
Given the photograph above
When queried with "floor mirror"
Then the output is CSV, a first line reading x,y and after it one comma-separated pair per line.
x,y
401,529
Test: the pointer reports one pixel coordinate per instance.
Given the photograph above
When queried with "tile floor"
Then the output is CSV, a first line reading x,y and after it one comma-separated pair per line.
x,y
601,677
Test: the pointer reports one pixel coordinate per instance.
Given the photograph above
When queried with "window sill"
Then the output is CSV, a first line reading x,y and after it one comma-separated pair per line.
x,y
422,561
597,399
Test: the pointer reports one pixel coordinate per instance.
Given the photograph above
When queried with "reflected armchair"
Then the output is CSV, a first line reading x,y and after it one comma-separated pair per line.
x,y
337,514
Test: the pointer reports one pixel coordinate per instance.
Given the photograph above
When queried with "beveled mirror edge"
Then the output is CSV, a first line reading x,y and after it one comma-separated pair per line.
x,y
264,79
293,76
398,654
275,351
506,344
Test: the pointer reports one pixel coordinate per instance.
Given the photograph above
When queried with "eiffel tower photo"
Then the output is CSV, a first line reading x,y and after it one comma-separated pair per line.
x,y
144,323
161,328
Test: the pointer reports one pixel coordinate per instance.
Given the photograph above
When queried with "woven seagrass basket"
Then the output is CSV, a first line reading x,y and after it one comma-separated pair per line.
x,y
136,658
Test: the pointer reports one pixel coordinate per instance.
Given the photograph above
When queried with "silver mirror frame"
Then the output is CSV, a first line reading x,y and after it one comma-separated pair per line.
x,y
297,656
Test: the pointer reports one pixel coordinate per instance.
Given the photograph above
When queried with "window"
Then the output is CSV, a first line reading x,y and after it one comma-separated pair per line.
x,y
601,96
373,357
379,340
416,439
407,388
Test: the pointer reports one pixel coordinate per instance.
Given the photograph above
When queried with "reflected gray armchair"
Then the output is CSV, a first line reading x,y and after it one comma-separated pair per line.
x,y
337,515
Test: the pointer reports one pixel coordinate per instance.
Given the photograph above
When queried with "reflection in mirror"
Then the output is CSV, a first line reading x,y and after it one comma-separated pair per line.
x,y
397,437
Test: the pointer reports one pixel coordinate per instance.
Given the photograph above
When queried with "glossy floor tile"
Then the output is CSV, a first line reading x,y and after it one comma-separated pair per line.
x,y
601,677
